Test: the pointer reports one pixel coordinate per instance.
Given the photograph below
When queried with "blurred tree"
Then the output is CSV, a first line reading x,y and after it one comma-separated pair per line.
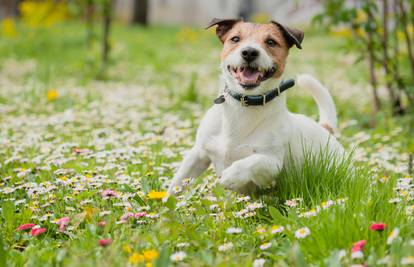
x,y
9,8
140,13
246,9
382,32
107,21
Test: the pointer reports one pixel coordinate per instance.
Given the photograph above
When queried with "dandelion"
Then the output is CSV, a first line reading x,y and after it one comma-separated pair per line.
x,y
302,232
392,236
259,262
25,226
37,231
136,258
150,254
156,194
407,260
276,229
178,256
377,227
127,249
105,242
225,247
233,230
8,27
52,94
265,246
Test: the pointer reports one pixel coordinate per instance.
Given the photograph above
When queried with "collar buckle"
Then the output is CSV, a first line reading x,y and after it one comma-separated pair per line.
x,y
264,100
243,101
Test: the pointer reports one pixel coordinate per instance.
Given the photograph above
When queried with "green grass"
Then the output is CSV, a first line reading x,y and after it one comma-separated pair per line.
x,y
127,132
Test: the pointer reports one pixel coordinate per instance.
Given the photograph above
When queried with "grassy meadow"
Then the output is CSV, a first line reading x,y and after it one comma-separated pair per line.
x,y
85,157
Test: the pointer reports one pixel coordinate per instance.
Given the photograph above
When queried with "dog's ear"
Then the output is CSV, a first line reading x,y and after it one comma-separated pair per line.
x,y
292,36
223,26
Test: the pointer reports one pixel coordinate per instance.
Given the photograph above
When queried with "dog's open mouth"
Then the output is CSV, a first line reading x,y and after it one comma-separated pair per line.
x,y
250,76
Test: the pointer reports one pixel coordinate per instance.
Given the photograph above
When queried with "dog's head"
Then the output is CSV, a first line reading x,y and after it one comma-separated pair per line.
x,y
254,55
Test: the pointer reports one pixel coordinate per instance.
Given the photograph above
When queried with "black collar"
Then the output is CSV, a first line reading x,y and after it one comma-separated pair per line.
x,y
257,100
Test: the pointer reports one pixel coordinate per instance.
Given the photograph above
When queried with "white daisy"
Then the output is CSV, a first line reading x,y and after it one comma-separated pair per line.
x,y
302,232
178,256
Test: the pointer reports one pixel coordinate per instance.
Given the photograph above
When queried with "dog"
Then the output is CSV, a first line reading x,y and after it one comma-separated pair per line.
x,y
249,133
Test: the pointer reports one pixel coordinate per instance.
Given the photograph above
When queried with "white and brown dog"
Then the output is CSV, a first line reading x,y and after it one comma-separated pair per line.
x,y
249,133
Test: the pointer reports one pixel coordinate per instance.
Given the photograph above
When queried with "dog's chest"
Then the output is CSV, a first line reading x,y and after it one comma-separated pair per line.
x,y
224,149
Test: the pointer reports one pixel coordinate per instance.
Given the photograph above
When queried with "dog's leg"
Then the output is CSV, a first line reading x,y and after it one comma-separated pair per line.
x,y
194,163
261,169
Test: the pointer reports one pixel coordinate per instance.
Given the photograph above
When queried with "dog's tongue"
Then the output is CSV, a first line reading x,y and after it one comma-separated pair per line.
x,y
249,76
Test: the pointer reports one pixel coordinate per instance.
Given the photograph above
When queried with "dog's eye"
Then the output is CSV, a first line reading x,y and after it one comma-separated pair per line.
x,y
235,39
271,42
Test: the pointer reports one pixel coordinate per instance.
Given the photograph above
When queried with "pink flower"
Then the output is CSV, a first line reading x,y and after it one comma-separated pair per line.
x,y
108,193
101,223
25,226
63,222
105,242
38,231
358,246
377,227
140,214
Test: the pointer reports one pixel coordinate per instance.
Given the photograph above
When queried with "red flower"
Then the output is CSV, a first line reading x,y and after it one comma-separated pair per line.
x,y
377,226
63,222
25,226
105,242
38,231
358,246
140,214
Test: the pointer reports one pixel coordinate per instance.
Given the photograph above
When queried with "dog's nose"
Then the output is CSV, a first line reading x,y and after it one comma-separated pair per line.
x,y
249,54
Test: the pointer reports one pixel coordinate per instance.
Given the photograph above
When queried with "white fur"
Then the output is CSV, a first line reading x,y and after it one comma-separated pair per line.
x,y
249,145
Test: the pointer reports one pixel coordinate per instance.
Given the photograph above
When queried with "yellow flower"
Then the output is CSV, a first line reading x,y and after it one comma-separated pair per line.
x,y
52,94
261,18
150,254
341,32
127,249
187,35
135,258
156,195
361,16
148,264
8,27
361,32
42,13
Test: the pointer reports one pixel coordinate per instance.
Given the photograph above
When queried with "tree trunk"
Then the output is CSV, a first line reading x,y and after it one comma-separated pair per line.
x,y
372,75
140,13
396,105
107,19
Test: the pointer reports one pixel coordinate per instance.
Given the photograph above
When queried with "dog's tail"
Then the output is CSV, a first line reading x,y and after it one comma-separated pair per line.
x,y
326,105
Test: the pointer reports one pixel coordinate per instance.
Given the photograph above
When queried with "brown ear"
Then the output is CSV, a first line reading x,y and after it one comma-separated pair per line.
x,y
223,26
292,36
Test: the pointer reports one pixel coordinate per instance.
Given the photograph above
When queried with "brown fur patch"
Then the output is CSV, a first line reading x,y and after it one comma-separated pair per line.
x,y
258,33
328,127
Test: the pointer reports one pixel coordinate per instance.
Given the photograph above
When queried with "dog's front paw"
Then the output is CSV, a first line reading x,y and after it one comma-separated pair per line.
x,y
235,178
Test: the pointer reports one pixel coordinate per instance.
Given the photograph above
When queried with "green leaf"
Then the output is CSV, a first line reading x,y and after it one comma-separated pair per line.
x,y
164,259
275,213
298,257
3,253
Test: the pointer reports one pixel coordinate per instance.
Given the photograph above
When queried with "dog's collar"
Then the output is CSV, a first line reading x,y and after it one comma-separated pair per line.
x,y
256,100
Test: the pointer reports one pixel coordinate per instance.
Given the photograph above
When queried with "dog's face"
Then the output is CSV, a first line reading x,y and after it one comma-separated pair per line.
x,y
254,55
